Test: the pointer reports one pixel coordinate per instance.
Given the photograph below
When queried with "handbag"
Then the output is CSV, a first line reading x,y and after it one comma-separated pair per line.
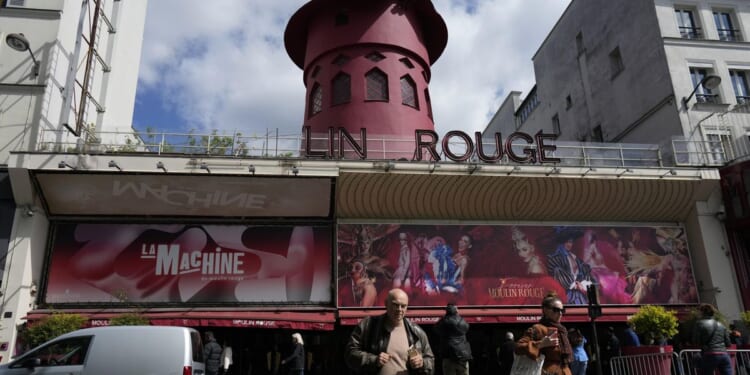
x,y
523,365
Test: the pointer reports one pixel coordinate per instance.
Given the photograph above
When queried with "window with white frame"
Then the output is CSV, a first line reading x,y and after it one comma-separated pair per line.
x,y
703,94
717,144
687,24
725,21
740,85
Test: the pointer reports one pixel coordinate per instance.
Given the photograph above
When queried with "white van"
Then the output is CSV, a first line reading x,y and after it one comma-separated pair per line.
x,y
121,350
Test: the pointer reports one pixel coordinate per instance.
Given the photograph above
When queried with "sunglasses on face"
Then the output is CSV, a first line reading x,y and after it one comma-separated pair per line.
x,y
557,310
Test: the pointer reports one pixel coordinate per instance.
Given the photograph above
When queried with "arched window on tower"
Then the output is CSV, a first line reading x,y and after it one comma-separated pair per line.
x,y
377,85
409,92
342,91
315,102
428,103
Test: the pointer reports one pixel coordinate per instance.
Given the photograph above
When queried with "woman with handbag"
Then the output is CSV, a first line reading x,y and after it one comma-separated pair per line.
x,y
548,338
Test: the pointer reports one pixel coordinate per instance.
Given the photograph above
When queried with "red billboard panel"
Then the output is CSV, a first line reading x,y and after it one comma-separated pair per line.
x,y
186,263
513,265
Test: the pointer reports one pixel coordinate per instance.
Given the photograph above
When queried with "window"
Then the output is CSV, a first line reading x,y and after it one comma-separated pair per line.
x,y
686,24
528,105
718,144
375,57
724,26
740,85
597,135
556,124
316,100
377,85
406,62
341,86
579,43
409,92
702,94
615,62
341,60
428,102
315,72
568,102
69,352
341,19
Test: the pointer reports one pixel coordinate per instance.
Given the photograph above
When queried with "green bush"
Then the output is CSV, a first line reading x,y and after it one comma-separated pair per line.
x,y
51,327
655,322
745,317
129,319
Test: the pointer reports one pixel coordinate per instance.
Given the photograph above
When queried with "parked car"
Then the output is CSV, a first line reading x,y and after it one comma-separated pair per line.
x,y
122,350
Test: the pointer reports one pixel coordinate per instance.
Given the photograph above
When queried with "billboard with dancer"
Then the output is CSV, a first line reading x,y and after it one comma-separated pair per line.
x,y
513,265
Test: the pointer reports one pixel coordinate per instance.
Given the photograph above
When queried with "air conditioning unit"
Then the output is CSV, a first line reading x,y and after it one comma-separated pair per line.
x,y
15,3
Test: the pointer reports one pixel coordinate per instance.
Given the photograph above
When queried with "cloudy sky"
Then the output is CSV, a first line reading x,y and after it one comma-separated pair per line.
x,y
221,64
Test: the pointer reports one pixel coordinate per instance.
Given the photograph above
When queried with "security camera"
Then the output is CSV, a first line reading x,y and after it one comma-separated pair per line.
x,y
29,211
721,213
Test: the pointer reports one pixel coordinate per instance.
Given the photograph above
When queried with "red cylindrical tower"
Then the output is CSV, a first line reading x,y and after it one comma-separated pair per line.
x,y
367,64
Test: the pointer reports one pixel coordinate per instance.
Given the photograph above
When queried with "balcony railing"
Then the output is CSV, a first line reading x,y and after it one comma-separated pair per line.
x,y
707,98
276,145
729,35
687,32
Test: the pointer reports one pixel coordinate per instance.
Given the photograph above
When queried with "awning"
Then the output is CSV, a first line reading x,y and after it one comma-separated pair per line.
x,y
495,315
302,320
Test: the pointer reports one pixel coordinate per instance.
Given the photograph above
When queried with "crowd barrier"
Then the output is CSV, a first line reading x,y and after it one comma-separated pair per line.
x,y
687,362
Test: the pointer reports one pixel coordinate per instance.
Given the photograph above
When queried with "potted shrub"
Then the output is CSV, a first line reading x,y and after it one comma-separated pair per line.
x,y
129,319
654,324
51,327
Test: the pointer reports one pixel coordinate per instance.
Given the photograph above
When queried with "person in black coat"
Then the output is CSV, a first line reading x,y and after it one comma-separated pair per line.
x,y
505,353
454,346
212,354
296,360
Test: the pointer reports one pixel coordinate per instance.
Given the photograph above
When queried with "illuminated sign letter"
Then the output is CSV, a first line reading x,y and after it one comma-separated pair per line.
x,y
467,140
361,150
308,144
430,145
529,152
498,148
542,148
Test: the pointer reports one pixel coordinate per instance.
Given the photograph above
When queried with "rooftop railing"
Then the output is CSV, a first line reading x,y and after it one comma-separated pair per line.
x,y
274,144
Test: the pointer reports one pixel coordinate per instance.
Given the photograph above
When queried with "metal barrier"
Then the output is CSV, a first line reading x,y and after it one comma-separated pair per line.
x,y
687,362
646,364
690,359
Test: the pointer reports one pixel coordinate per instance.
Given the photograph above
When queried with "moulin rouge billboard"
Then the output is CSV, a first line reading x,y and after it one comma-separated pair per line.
x,y
111,263
513,265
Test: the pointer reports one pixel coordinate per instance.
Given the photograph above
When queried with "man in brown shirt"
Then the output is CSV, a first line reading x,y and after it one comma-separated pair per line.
x,y
390,344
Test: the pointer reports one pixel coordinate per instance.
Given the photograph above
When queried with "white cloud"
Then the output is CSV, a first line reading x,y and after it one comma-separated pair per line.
x,y
221,64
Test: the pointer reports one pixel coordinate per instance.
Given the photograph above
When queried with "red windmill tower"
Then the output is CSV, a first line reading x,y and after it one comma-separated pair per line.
x,y
367,65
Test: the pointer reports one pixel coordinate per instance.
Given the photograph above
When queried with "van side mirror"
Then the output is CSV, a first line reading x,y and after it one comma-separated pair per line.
x,y
31,362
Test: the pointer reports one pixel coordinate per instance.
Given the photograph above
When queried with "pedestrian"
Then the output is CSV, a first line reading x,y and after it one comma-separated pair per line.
x,y
580,357
454,347
713,339
296,360
226,359
548,337
212,354
611,349
505,353
631,338
390,344
735,336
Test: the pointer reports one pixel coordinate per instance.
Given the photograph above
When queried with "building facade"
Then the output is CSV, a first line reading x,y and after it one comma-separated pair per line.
x,y
270,242
644,72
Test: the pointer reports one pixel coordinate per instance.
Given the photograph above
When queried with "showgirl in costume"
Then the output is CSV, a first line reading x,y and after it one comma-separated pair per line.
x,y
443,267
570,271
654,270
527,252
461,260
611,285
404,261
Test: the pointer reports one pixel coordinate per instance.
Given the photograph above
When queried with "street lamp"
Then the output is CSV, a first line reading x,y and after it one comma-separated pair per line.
x,y
19,43
710,82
